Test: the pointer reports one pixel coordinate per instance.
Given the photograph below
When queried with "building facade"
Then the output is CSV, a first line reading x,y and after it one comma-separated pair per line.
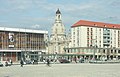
x,y
95,40
17,44
58,39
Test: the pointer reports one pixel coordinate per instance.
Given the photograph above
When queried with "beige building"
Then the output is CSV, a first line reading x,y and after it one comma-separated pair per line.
x,y
57,40
95,40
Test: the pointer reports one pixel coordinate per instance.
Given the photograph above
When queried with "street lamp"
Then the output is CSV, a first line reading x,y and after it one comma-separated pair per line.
x,y
55,56
94,52
94,47
0,56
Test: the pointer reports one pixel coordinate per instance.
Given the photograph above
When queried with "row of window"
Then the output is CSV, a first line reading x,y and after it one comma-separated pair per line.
x,y
92,50
106,35
21,40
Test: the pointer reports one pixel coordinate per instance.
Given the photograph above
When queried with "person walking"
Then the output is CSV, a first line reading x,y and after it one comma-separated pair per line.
x,y
44,61
6,63
11,61
21,63
48,62
75,59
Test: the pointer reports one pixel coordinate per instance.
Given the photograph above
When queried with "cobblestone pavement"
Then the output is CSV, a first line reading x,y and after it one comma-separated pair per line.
x,y
62,70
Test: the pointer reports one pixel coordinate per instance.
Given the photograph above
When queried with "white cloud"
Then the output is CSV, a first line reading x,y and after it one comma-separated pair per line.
x,y
36,26
16,5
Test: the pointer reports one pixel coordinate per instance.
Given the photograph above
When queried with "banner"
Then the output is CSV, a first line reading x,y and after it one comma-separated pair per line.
x,y
11,37
11,40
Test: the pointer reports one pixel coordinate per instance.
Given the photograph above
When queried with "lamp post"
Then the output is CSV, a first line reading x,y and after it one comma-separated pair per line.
x,y
94,53
94,47
21,54
1,56
55,57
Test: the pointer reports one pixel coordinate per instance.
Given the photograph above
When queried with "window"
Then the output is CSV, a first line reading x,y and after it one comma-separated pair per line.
x,y
118,51
111,51
88,29
58,16
104,51
91,29
74,33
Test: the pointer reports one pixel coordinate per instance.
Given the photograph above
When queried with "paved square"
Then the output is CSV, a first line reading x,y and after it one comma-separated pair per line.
x,y
62,70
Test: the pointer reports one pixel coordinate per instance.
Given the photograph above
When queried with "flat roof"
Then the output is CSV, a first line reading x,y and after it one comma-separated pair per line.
x,y
23,30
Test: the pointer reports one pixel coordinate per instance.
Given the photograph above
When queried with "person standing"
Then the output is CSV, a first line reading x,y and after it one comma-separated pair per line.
x,y
44,61
75,59
48,62
11,61
21,63
6,63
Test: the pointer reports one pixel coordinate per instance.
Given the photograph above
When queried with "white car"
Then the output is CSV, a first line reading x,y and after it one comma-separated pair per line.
x,y
6,63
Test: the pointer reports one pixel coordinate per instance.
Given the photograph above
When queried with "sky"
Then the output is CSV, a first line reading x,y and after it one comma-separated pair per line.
x,y
40,14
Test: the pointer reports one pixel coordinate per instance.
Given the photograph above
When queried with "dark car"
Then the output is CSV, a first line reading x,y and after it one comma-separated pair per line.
x,y
28,62
81,60
35,62
1,65
64,61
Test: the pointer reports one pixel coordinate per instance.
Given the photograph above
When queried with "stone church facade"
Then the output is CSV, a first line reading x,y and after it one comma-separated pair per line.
x,y
57,41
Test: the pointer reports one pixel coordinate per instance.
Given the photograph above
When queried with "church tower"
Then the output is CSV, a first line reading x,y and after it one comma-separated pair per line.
x,y
58,27
57,37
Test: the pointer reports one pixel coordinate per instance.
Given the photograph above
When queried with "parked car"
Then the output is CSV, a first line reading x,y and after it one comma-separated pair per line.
x,y
92,61
81,60
35,62
7,63
64,61
1,65
95,61
28,62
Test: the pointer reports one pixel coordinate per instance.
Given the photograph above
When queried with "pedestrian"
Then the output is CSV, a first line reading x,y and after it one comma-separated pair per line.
x,y
75,59
48,62
6,63
44,61
21,63
10,61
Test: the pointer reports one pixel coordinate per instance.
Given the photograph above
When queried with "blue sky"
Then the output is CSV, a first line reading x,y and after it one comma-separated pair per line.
x,y
40,14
